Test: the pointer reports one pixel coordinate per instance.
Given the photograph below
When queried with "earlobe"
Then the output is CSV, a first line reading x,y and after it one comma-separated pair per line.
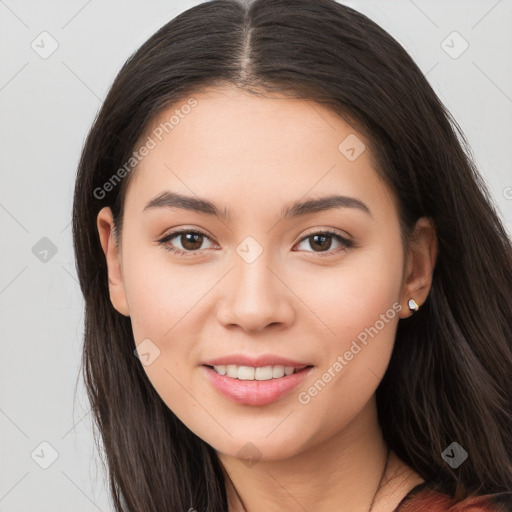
x,y
105,225
419,267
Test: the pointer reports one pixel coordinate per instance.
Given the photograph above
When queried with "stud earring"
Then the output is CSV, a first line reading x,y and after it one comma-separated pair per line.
x,y
413,306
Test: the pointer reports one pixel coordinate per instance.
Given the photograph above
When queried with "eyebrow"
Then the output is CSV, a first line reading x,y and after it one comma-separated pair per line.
x,y
174,200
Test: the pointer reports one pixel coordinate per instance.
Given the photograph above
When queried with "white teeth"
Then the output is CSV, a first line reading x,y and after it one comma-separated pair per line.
x,y
277,371
263,373
245,373
250,373
221,370
231,371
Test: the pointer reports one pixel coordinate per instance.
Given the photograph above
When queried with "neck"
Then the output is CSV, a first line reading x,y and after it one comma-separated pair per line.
x,y
341,472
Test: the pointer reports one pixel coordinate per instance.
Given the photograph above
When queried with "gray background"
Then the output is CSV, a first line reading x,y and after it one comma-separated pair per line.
x,y
48,104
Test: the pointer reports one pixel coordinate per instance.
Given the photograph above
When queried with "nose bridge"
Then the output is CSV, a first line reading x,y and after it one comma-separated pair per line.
x,y
255,297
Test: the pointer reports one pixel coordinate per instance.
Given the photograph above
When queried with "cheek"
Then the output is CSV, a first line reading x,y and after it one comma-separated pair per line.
x,y
161,301
360,305
160,294
358,293
166,310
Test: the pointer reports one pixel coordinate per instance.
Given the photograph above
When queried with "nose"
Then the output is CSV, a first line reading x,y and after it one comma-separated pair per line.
x,y
254,296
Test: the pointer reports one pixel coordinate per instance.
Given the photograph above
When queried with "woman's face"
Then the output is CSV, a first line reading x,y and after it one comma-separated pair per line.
x,y
257,286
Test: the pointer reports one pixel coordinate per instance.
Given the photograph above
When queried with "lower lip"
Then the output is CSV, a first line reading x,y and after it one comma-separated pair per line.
x,y
255,392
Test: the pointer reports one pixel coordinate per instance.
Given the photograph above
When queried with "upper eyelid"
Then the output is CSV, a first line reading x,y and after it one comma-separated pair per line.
x,y
173,234
339,232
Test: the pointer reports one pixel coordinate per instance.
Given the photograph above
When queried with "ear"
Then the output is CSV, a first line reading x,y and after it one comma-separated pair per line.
x,y
419,265
105,224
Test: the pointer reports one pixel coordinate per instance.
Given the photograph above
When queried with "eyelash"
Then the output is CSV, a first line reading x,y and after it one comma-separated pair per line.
x,y
164,242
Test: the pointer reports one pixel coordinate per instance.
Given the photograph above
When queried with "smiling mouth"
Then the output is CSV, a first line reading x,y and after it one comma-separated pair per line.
x,y
250,373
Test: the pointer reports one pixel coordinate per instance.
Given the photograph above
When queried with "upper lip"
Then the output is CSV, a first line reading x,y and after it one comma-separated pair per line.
x,y
256,362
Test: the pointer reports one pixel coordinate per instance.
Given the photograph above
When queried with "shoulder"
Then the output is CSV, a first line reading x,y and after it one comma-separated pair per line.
x,y
423,498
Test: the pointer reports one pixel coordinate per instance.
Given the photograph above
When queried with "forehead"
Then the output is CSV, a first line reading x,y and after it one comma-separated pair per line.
x,y
232,144
232,119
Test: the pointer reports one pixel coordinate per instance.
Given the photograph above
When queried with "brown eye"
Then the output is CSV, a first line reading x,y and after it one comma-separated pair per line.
x,y
321,242
186,241
191,241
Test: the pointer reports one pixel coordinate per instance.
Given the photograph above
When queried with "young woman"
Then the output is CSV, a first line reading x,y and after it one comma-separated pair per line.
x,y
297,289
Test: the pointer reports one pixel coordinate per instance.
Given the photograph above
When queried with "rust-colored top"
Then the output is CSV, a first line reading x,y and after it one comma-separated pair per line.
x,y
423,498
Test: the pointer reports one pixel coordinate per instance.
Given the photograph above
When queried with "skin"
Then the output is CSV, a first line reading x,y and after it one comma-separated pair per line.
x,y
254,156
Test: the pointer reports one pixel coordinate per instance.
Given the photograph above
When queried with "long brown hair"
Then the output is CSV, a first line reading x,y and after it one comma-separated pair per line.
x,y
449,375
